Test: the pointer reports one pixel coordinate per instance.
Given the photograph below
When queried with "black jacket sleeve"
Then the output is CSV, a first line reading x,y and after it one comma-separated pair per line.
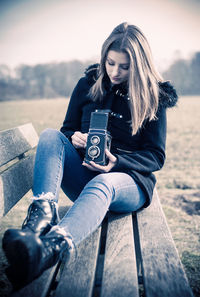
x,y
72,121
151,156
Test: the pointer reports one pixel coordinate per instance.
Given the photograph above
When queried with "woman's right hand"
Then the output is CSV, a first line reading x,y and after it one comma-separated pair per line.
x,y
79,140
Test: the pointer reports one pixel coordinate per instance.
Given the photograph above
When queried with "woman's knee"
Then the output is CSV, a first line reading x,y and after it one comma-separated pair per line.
x,y
103,181
100,187
51,136
49,133
128,204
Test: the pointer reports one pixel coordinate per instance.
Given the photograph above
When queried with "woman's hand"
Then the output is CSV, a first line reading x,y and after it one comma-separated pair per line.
x,y
79,140
96,167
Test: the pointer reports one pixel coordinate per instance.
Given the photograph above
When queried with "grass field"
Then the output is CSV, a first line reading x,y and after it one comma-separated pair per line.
x,y
178,183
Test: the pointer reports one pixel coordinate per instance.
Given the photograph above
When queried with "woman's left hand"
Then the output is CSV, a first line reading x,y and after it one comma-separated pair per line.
x,y
96,167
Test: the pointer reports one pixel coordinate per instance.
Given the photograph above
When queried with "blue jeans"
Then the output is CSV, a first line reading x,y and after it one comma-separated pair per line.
x,y
58,164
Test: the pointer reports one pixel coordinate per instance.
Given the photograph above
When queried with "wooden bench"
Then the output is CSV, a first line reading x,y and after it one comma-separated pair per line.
x,y
129,255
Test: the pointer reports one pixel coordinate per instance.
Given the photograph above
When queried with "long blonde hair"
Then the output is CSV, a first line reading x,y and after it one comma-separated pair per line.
x,y
143,78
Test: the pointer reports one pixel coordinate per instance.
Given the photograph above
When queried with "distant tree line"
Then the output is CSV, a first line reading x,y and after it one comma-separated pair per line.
x,y
58,79
185,75
40,81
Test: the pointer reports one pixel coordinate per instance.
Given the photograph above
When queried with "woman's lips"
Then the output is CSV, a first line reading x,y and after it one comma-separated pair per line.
x,y
116,78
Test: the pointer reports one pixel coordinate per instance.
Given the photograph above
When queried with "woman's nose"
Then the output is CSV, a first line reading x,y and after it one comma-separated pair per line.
x,y
115,71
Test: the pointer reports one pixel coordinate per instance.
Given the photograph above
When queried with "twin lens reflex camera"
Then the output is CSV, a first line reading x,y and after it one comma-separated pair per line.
x,y
99,137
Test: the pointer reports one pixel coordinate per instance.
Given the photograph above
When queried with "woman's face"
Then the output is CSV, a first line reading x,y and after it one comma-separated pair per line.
x,y
117,66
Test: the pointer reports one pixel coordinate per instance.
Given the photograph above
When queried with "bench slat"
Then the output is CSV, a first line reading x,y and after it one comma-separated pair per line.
x,y
16,141
78,276
15,182
162,270
120,272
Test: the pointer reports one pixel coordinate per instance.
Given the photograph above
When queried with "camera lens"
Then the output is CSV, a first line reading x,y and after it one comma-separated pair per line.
x,y
95,139
93,151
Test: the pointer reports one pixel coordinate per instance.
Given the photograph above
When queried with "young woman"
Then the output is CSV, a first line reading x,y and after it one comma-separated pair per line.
x,y
127,83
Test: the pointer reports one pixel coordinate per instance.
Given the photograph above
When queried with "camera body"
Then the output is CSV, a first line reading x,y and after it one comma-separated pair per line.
x,y
99,138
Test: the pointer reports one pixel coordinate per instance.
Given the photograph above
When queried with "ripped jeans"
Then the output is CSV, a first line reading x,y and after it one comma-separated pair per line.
x,y
58,164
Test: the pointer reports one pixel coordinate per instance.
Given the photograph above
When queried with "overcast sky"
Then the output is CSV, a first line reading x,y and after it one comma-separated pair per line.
x,y
42,31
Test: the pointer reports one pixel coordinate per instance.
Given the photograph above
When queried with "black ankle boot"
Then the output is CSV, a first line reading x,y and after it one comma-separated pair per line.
x,y
42,215
30,255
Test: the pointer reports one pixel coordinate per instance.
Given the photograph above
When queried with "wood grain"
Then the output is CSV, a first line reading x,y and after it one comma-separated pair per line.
x,y
163,272
16,141
78,276
120,272
15,182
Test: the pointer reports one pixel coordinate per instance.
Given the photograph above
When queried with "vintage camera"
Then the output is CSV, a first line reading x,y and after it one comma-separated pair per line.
x,y
98,137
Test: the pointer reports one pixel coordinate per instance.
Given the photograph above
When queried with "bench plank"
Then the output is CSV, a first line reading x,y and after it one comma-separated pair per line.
x,y
78,276
120,272
15,182
163,274
16,141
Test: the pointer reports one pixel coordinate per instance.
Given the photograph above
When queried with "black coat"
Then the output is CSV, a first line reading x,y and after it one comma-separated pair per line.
x,y
138,155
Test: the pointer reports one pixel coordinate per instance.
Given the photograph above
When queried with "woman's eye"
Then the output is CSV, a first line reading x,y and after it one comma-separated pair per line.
x,y
110,63
125,67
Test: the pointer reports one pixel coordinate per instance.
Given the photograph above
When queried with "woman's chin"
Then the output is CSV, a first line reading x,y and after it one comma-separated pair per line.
x,y
115,82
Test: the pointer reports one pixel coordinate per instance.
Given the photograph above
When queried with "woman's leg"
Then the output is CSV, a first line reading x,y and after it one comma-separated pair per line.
x,y
108,191
55,155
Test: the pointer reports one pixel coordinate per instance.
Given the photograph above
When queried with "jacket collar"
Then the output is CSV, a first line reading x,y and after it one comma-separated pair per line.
x,y
167,94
